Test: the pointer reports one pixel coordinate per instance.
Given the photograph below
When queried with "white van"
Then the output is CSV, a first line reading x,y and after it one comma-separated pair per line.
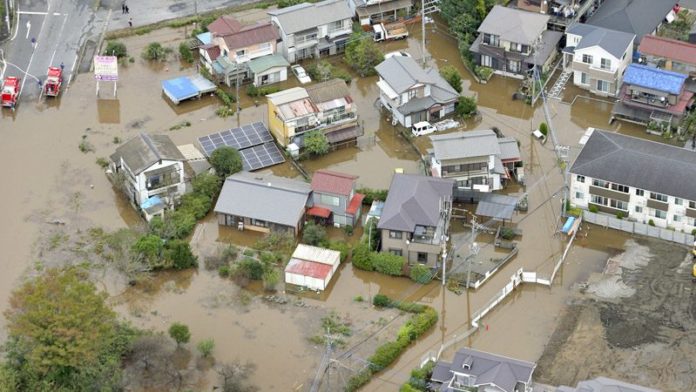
x,y
422,128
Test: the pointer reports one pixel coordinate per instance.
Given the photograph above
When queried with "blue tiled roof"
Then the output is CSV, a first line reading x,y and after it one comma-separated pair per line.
x,y
654,78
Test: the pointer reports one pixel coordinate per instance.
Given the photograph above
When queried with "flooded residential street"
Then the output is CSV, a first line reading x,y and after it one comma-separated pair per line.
x,y
47,179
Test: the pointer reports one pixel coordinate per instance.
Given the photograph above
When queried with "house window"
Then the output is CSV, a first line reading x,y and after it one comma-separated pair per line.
x,y
490,39
619,188
587,59
618,204
579,195
265,46
422,257
676,218
486,61
658,197
395,251
240,52
660,214
412,93
640,192
337,25
515,47
600,183
603,85
396,235
583,78
599,200
259,223
605,64
514,66
678,201
580,179
623,57
639,209
692,204
330,200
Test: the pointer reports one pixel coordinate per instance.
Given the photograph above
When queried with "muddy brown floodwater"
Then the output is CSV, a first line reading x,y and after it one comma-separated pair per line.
x,y
46,178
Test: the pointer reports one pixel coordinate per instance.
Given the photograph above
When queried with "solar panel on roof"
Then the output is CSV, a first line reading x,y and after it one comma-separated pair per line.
x,y
253,141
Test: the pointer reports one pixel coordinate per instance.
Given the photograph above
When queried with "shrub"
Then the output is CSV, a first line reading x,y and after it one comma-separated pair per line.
x,y
196,204
410,307
388,263
149,249
361,258
361,378
593,208
224,271
381,301
452,76
342,247
226,98
321,71
313,234
507,233
250,269
226,161
181,222
206,184
180,333
693,232
544,129
205,347
254,91
270,278
484,73
574,211
371,234
341,74
102,162
385,355
620,215
178,253
466,107
421,274
156,52
185,52
651,222
359,298
115,48
316,143
348,229
373,194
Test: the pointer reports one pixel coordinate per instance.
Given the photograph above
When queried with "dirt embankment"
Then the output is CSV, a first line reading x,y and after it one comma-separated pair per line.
x,y
647,337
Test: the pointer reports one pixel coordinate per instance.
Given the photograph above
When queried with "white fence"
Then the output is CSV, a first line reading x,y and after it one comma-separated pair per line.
x,y
638,228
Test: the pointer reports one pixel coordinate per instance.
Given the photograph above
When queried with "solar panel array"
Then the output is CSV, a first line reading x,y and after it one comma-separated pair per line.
x,y
254,143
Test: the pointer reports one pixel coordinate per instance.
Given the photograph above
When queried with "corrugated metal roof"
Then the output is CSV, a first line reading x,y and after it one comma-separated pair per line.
x,y
355,203
654,78
458,145
264,63
514,25
317,254
327,181
308,268
668,48
251,35
305,16
144,150
496,206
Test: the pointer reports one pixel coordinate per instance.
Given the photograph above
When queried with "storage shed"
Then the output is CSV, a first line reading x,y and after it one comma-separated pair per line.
x,y
312,267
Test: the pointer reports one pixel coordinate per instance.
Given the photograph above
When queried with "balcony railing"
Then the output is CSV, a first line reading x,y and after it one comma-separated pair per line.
x,y
306,39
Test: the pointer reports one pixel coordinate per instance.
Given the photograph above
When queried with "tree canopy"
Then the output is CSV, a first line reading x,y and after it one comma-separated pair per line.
x,y
316,143
452,76
226,161
363,54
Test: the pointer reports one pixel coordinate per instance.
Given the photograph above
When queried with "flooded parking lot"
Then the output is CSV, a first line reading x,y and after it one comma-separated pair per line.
x,y
48,179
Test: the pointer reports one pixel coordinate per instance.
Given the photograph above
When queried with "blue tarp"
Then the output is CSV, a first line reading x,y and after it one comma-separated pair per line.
x,y
151,202
568,224
654,78
186,87
205,38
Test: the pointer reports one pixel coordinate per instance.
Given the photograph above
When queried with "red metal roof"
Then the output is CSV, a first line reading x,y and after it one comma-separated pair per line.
x,y
308,268
326,181
213,52
319,211
224,25
668,48
355,203
251,35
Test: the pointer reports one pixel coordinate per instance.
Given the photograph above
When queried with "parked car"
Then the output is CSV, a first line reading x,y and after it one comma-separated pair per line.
x,y
397,53
422,128
301,74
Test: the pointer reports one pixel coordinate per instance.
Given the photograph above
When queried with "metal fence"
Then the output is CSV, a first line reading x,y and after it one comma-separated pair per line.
x,y
638,228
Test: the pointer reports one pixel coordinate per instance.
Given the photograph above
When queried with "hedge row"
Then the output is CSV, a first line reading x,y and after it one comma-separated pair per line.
x,y
423,319
384,262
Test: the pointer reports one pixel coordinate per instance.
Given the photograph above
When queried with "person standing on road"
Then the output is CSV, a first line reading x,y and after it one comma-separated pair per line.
x,y
127,10
130,22
62,66
33,42
123,8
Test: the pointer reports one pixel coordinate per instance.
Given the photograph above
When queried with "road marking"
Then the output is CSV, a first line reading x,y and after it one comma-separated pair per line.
x,y
4,65
37,13
28,28
60,34
36,45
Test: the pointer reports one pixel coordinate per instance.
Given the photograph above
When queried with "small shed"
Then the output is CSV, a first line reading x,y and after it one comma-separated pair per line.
x,y
187,87
312,267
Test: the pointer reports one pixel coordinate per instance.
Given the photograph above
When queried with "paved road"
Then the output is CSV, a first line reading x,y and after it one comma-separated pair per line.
x,y
48,32
150,11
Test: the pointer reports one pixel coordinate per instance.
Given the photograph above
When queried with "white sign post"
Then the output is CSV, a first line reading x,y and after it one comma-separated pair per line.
x,y
106,70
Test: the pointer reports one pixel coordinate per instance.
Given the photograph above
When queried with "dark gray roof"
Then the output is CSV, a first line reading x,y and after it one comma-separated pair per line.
x,y
415,105
493,205
639,163
604,384
402,72
305,16
514,25
491,369
414,200
265,197
614,42
639,17
144,150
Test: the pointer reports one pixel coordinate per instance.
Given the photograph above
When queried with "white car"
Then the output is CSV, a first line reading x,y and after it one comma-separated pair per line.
x,y
301,74
399,53
422,128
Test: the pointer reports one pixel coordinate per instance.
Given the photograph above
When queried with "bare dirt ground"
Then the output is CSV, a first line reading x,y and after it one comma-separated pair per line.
x,y
636,322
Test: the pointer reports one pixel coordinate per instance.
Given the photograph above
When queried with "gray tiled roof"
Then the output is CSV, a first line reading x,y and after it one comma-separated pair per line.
x,y
145,150
441,91
459,145
491,369
614,42
414,200
305,16
638,163
604,384
328,91
265,197
639,17
514,25
509,149
401,73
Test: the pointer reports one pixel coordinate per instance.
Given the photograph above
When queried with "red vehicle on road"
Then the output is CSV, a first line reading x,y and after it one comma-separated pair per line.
x,y
10,92
54,81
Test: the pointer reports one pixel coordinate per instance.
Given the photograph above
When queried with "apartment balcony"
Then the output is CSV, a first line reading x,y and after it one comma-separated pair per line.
x,y
307,40
253,54
595,72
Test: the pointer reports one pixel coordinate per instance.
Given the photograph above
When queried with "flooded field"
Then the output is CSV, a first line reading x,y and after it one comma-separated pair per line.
x,y
48,179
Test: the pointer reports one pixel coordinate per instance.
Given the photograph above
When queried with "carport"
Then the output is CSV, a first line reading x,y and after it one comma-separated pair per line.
x,y
187,87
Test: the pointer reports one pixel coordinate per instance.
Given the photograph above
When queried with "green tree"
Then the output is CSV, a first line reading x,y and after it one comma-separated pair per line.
x,y
205,347
362,257
179,255
544,129
196,203
363,54
316,143
185,52
226,161
206,184
313,234
180,333
270,278
452,76
115,48
466,107
156,52
62,336
421,274
149,249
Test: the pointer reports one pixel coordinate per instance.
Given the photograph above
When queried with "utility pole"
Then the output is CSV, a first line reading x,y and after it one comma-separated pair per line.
x,y
445,215
427,7
473,251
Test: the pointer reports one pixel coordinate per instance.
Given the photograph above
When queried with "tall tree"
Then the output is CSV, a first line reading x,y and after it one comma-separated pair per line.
x,y
226,161
363,54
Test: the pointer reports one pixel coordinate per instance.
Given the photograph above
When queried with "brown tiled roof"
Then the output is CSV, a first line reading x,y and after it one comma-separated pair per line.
x,y
325,181
251,35
668,48
224,25
327,91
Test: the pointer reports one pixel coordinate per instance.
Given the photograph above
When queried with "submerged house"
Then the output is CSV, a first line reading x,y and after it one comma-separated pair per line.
x,y
669,54
604,384
151,168
334,199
